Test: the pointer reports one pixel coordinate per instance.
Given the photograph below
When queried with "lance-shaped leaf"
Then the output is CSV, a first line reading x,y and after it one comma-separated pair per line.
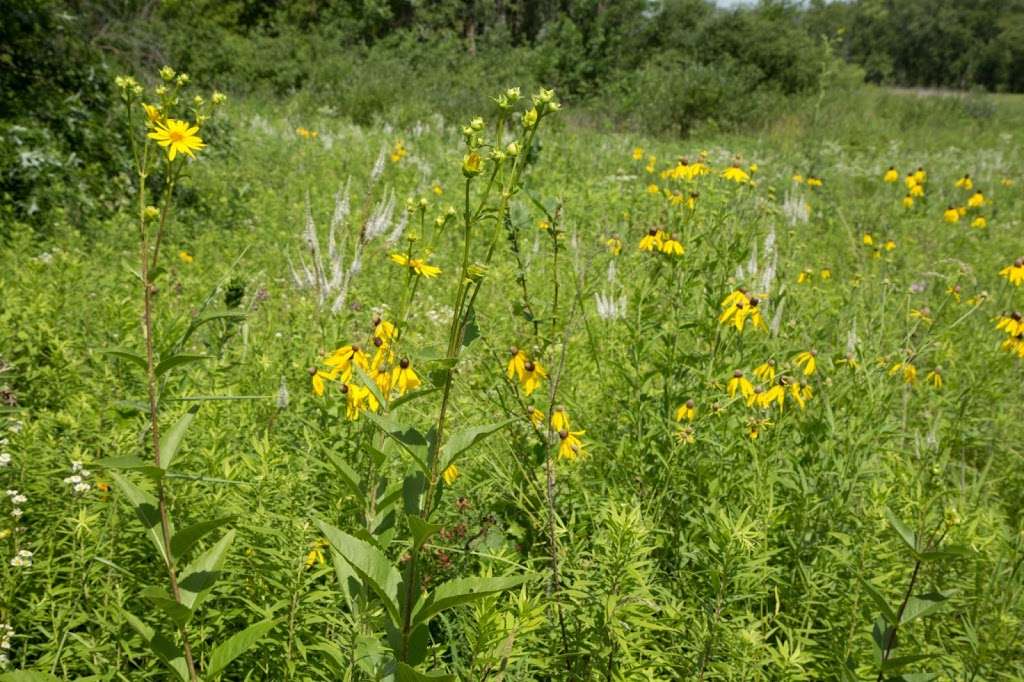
x,y
922,605
463,440
186,537
408,438
132,463
27,676
463,591
179,614
405,673
128,355
421,531
160,645
173,361
906,534
204,319
198,578
880,601
234,646
370,563
146,508
171,440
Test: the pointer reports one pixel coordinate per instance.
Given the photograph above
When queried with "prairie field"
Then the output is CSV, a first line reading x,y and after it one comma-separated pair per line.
x,y
520,396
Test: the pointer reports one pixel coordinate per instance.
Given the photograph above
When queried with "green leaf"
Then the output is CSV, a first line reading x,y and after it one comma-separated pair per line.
x,y
171,440
186,537
348,475
198,578
923,605
421,531
404,673
880,601
410,440
177,361
947,552
128,355
370,384
409,397
147,509
463,591
370,563
470,330
908,536
898,662
178,613
204,319
463,440
132,463
236,645
160,645
27,676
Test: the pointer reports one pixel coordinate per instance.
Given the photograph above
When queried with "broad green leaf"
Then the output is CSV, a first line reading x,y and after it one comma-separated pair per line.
x,y
408,438
908,536
204,319
463,591
411,396
178,613
463,440
370,563
177,361
132,463
404,673
470,330
923,605
160,645
186,537
171,440
234,646
880,601
421,531
147,509
897,662
128,355
198,578
348,475
946,552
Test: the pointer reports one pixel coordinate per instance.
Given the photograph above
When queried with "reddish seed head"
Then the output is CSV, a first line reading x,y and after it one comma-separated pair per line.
x,y
404,363
652,232
737,374
690,403
513,350
344,388
529,366
378,342
563,434
754,302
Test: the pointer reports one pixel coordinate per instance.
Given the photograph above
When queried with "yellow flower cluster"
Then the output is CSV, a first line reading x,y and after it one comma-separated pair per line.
x,y
657,240
1012,325
528,372
739,307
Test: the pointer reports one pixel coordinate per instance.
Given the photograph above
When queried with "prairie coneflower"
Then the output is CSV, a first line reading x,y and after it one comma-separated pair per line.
x,y
614,245
975,200
355,400
570,446
908,201
935,377
867,239
907,369
739,383
418,265
920,175
1011,323
686,412
738,307
765,371
807,360
516,364
652,241
404,378
450,473
177,137
964,183
1014,272
917,191
814,181
383,330
891,175
951,215
341,360
533,374
319,377
185,257
672,246
559,419
979,223
153,115
535,416
910,181
736,174
638,153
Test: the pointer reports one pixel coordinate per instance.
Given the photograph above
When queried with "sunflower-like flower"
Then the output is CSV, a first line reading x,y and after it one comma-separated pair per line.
x,y
739,384
736,174
417,265
570,446
765,371
807,361
177,137
533,374
1014,272
404,378
653,240
891,175
686,412
672,246
964,183
738,307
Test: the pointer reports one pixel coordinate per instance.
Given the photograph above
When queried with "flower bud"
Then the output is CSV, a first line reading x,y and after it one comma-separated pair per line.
x,y
167,73
151,212
512,149
472,165
218,98
477,124
530,118
182,79
513,94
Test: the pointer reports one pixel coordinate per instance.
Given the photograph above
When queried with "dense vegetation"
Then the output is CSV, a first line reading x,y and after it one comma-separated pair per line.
x,y
705,365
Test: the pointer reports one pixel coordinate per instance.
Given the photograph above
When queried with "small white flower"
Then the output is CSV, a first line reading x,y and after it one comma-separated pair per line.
x,y
22,559
76,466
16,513
5,459
18,499
83,487
11,493
282,395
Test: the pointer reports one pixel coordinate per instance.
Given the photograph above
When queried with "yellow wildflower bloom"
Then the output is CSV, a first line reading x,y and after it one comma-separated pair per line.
x,y
418,265
319,376
910,181
917,191
536,417
804,276
935,377
975,200
177,137
153,115
570,446
1014,272
653,240
813,181
185,257
765,371
404,378
516,364
341,360
891,175
355,400
653,189
651,160
398,151
614,245
908,201
979,223
951,215
920,175
738,307
739,383
807,360
889,245
867,239
798,179
908,370
559,419
450,473
1015,345
964,183
686,412
672,246
638,153
825,273
315,557
533,373
736,174
1011,323
776,394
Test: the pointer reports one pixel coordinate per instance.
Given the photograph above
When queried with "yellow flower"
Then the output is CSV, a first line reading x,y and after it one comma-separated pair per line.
x,y
1011,323
765,371
954,291
398,151
776,394
924,314
418,265
800,393
891,175
908,201
867,239
516,364
804,276
355,399
652,241
798,179
653,189
910,181
316,554
177,137
935,377
1014,272
686,412
951,215
153,115
651,160
319,376
450,474
825,273
1014,344
979,223
691,201
570,446
614,245
908,370
889,245
559,419
383,330
964,183
813,181
672,246
975,200
686,435
185,257
807,360
739,383
920,175
543,224
736,174
533,373
437,189
536,417
530,118
404,377
472,165
753,168
917,191
738,307
638,153
342,360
